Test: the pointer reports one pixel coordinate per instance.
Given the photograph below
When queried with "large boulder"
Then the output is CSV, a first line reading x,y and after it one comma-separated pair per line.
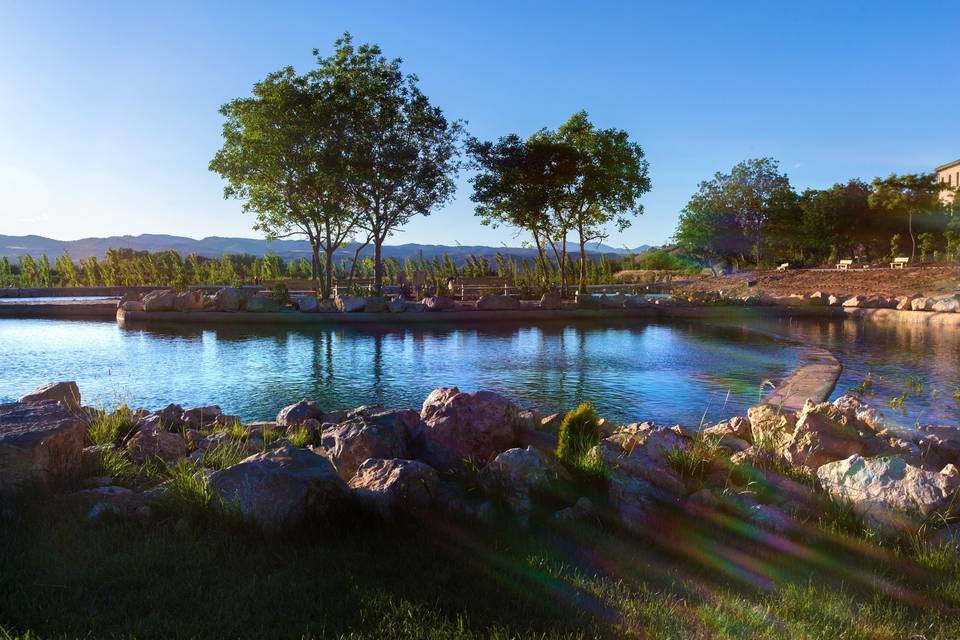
x,y
373,433
263,304
736,427
770,427
551,301
67,393
460,426
497,303
190,301
308,304
438,303
39,442
947,304
151,443
374,304
349,304
279,487
888,492
201,417
922,304
824,434
395,486
516,475
160,300
132,306
171,416
228,299
641,451
295,414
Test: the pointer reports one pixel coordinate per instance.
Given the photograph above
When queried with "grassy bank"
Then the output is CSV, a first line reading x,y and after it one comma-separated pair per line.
x,y
357,576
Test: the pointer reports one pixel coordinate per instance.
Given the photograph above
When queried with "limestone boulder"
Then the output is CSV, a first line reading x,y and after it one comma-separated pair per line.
x,y
280,487
947,304
922,304
497,303
375,304
460,426
770,427
349,304
190,301
887,491
397,305
201,417
737,427
171,416
395,486
295,414
825,434
551,301
151,443
836,301
641,452
39,443
160,300
517,475
67,393
438,303
308,304
368,434
262,304
228,299
133,306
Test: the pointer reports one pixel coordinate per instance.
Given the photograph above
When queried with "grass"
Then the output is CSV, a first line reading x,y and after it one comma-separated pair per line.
x,y
694,461
348,576
301,436
224,455
578,435
188,487
109,427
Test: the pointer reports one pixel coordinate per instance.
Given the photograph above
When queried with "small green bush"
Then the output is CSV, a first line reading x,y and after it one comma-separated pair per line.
x,y
111,426
693,461
189,486
301,437
579,433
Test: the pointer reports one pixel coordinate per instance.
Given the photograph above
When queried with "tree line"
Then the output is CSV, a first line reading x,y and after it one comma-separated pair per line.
x,y
752,216
352,150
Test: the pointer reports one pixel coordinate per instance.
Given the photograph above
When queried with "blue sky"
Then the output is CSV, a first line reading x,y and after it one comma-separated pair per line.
x,y
108,111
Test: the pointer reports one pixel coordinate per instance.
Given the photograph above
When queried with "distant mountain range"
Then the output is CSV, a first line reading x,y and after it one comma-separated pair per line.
x,y
213,247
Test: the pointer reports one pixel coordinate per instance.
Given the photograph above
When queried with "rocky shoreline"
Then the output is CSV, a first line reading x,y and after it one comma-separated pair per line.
x,y
470,455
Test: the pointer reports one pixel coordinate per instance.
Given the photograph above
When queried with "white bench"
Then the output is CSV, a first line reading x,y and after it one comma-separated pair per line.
x,y
843,265
898,263
784,266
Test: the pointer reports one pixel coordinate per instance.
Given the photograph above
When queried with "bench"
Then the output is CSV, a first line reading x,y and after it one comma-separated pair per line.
x,y
784,266
899,263
478,286
843,265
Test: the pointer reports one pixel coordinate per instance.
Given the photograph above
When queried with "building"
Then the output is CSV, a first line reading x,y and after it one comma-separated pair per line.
x,y
950,175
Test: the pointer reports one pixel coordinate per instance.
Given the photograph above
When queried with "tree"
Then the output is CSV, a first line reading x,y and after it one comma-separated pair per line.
x,y
713,236
835,219
282,156
907,195
67,271
610,176
399,152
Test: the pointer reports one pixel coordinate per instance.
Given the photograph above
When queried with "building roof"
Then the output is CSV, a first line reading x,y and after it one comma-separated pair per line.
x,y
947,166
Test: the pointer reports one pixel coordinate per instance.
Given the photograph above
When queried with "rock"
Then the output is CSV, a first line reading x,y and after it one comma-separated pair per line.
x,y
395,486
497,303
171,416
516,474
922,304
200,417
160,300
132,306
947,304
738,427
888,492
375,304
193,438
769,517
149,443
280,487
636,302
770,427
459,426
551,301
349,304
836,301
904,303
308,304
262,304
824,434
438,303
398,305
189,301
67,393
39,442
295,414
368,434
228,299
112,500
91,458
215,439
861,302
640,451
819,295
581,510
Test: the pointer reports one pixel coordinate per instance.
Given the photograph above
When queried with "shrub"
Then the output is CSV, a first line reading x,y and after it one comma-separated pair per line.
x,y
108,427
579,433
301,437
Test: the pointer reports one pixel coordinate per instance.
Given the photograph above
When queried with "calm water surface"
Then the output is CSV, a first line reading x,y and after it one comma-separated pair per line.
x,y
664,372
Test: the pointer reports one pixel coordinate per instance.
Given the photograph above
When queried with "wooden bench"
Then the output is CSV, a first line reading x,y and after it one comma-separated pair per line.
x,y
843,265
784,266
478,286
899,263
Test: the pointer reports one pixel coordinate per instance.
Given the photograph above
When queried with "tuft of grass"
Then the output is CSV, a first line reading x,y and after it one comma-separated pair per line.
x,y
224,455
236,431
189,486
118,465
693,461
302,437
956,394
269,436
915,385
898,402
579,434
838,516
865,386
111,426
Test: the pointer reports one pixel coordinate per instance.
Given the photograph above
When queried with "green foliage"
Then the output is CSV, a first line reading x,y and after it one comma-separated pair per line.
x,y
224,455
281,293
109,427
865,386
898,402
116,464
926,245
301,436
188,488
579,433
694,461
894,245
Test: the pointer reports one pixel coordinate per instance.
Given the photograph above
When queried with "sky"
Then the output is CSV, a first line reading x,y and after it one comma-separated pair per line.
x,y
109,110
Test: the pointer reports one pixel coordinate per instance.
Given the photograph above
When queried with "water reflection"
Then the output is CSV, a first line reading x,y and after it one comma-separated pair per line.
x,y
631,370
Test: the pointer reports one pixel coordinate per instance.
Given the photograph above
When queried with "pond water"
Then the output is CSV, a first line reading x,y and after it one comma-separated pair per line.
x,y
683,371
664,372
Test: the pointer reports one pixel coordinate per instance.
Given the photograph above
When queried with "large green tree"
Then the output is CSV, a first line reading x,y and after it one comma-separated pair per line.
x,y
282,155
837,220
907,195
400,154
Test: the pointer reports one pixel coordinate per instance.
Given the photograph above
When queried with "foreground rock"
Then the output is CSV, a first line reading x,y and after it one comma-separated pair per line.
x,y
888,492
151,442
295,414
281,487
395,486
66,393
39,442
349,304
160,300
368,433
516,475
465,426
438,303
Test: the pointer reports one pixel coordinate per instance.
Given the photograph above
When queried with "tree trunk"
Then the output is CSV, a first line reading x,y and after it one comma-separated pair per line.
x,y
315,263
913,241
582,286
328,271
543,257
377,266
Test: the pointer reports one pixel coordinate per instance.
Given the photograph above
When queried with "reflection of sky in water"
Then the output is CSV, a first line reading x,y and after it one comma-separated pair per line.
x,y
667,373
893,354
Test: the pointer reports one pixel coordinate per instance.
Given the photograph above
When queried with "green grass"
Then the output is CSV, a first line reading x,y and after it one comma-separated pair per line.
x,y
694,461
111,426
302,437
236,431
224,455
579,433
118,465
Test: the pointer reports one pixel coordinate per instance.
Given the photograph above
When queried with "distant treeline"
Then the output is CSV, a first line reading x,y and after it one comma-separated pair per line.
x,y
126,267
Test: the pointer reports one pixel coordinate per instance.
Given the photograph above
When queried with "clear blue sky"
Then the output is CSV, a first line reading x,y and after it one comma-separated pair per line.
x,y
108,110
